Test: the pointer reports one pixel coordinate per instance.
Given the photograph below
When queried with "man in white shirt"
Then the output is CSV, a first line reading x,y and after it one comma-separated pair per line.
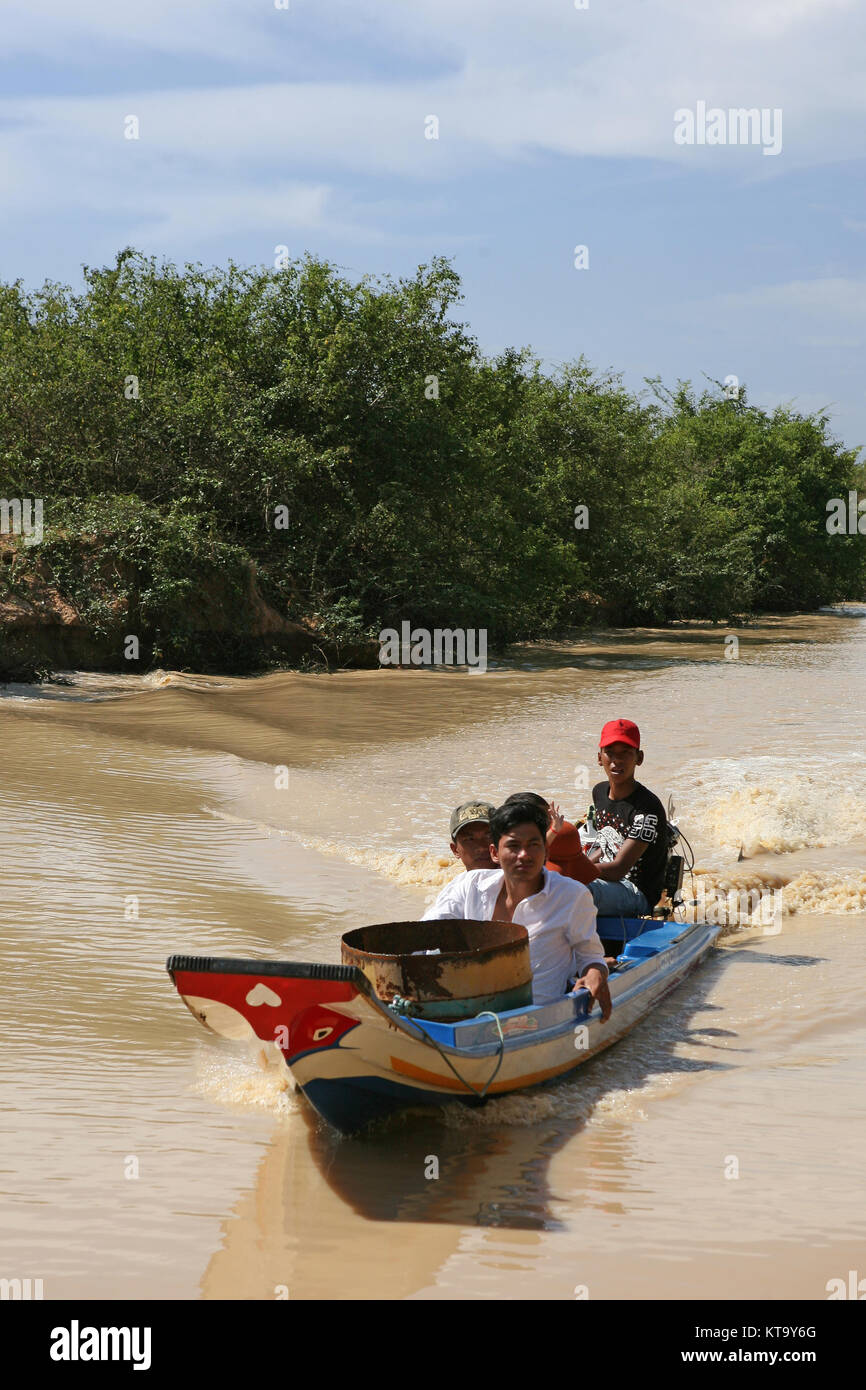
x,y
558,913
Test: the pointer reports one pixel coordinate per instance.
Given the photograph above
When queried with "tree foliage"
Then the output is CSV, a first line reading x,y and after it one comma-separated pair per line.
x,y
164,415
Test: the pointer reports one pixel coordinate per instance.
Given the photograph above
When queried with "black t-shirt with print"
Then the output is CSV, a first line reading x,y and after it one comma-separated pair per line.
x,y
639,816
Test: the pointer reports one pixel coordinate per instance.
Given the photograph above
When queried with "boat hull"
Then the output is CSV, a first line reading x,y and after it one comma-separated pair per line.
x,y
358,1061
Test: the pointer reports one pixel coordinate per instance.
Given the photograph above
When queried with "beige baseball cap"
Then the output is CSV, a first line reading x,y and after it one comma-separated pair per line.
x,y
470,811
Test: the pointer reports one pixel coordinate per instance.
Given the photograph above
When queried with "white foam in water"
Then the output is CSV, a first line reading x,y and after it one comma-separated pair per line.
x,y
733,807
579,1096
251,1079
776,805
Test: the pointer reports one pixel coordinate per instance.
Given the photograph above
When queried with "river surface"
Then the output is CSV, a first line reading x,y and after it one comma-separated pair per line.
x,y
716,1152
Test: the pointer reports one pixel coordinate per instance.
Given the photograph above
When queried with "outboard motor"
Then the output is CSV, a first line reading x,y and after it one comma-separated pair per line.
x,y
674,868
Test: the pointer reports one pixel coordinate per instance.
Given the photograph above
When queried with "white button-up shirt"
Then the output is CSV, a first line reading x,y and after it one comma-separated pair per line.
x,y
560,920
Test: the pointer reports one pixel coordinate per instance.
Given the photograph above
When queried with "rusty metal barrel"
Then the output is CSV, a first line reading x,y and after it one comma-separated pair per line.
x,y
446,969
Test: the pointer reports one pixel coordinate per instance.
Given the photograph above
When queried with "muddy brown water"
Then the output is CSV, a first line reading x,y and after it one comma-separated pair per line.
x,y
716,1152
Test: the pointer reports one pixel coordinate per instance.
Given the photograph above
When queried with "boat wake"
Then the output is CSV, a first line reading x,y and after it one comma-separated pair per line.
x,y
778,820
806,812
570,1101
420,868
809,891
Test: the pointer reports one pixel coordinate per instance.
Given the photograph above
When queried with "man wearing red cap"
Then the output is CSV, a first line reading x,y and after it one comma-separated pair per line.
x,y
632,827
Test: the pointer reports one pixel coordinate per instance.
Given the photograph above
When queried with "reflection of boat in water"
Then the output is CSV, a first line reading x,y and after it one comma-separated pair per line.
x,y
358,1058
327,1219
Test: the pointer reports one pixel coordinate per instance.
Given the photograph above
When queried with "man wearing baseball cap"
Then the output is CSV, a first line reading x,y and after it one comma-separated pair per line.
x,y
470,834
632,827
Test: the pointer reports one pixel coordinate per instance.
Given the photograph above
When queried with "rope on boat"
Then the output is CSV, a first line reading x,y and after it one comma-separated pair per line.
x,y
480,1095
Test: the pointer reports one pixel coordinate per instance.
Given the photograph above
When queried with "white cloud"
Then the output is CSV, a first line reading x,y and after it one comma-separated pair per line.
x,y
814,315
517,75
274,213
509,78
202,28
833,298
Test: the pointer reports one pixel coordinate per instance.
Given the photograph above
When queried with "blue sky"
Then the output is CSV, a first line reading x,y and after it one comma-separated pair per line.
x,y
305,127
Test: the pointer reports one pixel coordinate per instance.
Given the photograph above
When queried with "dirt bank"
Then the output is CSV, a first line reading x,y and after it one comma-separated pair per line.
x,y
42,630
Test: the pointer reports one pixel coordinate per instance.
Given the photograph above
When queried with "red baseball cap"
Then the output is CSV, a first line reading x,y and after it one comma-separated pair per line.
x,y
620,731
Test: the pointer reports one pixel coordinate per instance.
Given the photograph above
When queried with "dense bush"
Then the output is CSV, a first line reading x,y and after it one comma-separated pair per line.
x,y
420,479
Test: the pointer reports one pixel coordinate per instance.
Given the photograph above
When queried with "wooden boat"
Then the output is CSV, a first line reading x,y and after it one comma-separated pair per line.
x,y
358,1058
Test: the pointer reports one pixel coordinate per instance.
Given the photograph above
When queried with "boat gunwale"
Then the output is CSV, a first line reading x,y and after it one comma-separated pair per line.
x,y
582,1008
290,969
